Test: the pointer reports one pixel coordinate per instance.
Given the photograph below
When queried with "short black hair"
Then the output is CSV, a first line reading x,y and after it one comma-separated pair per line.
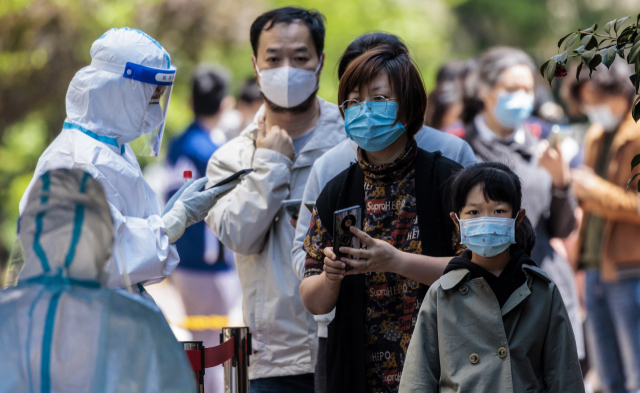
x,y
313,19
404,77
499,183
250,91
209,88
365,43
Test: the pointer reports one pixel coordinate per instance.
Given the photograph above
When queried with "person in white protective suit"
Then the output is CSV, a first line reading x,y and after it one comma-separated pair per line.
x,y
61,329
122,96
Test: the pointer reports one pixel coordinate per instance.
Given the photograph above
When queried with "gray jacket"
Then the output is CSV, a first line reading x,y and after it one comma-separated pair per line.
x,y
464,342
250,221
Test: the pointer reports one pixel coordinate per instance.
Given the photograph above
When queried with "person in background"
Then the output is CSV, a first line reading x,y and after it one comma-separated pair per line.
x,y
401,190
495,112
445,100
610,228
62,329
338,159
205,278
290,131
249,101
492,300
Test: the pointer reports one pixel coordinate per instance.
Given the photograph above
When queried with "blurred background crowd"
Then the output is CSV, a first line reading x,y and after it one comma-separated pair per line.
x,y
43,43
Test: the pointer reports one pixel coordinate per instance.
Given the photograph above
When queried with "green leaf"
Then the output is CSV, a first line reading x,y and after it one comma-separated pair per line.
x,y
551,70
637,66
597,59
579,49
608,56
591,43
544,67
578,72
634,176
619,52
635,111
570,41
636,159
607,27
562,39
585,39
591,29
587,56
633,53
619,23
563,57
623,38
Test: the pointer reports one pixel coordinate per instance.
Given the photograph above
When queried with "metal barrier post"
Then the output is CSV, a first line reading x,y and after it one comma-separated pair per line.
x,y
240,361
197,345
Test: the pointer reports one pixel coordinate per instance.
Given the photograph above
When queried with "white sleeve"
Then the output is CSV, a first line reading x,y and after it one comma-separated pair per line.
x,y
242,218
310,193
142,245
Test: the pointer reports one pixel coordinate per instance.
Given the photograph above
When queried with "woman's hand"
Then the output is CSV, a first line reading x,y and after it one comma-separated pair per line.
x,y
378,257
333,270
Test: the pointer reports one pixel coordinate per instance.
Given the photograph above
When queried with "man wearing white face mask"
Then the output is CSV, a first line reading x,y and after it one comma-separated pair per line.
x,y
122,96
292,129
608,248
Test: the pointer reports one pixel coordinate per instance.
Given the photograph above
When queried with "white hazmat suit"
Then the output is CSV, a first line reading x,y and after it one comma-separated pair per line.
x,y
61,329
109,104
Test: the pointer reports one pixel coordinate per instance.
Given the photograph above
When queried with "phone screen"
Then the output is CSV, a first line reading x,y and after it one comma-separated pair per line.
x,y
237,175
342,236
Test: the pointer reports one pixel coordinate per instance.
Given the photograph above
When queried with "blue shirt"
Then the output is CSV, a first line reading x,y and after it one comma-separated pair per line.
x,y
195,145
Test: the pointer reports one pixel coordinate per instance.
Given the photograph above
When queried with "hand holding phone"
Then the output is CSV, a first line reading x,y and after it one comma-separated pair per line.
x,y
343,220
235,176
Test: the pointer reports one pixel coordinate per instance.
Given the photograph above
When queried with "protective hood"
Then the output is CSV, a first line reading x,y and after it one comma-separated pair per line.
x,y
105,103
66,227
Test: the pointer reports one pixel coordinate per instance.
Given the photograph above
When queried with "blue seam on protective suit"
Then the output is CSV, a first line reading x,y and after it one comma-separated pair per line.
x,y
45,370
77,225
156,43
111,141
140,288
105,34
37,248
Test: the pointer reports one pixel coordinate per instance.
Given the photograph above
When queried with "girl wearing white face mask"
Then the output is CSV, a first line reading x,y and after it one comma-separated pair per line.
x,y
499,101
493,322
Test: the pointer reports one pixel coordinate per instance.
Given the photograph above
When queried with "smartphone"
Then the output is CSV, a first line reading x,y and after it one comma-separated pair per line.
x,y
342,236
292,207
310,205
237,175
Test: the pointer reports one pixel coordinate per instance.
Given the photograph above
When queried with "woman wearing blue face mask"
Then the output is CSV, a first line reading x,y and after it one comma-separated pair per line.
x,y
401,190
499,100
494,322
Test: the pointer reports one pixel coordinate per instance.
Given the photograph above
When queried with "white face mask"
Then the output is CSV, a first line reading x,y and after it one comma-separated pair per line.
x,y
153,118
288,87
601,114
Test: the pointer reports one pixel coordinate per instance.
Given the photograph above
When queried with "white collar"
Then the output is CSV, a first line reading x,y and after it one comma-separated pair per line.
x,y
485,133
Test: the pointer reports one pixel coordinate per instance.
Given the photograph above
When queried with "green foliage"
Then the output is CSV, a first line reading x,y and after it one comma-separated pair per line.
x,y
593,52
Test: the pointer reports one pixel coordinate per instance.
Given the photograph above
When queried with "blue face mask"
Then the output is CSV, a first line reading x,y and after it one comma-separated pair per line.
x,y
375,127
513,108
487,236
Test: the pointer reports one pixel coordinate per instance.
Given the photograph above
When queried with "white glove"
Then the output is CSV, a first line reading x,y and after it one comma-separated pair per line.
x,y
192,207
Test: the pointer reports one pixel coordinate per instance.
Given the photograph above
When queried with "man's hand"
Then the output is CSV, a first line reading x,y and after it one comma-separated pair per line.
x,y
550,159
275,139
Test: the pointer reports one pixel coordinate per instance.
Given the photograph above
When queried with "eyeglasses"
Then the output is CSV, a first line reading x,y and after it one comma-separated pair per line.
x,y
375,109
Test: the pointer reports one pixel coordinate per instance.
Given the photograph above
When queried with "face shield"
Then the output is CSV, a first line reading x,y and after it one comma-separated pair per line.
x,y
153,123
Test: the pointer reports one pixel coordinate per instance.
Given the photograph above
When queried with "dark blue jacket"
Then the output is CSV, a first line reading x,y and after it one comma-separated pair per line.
x,y
195,145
